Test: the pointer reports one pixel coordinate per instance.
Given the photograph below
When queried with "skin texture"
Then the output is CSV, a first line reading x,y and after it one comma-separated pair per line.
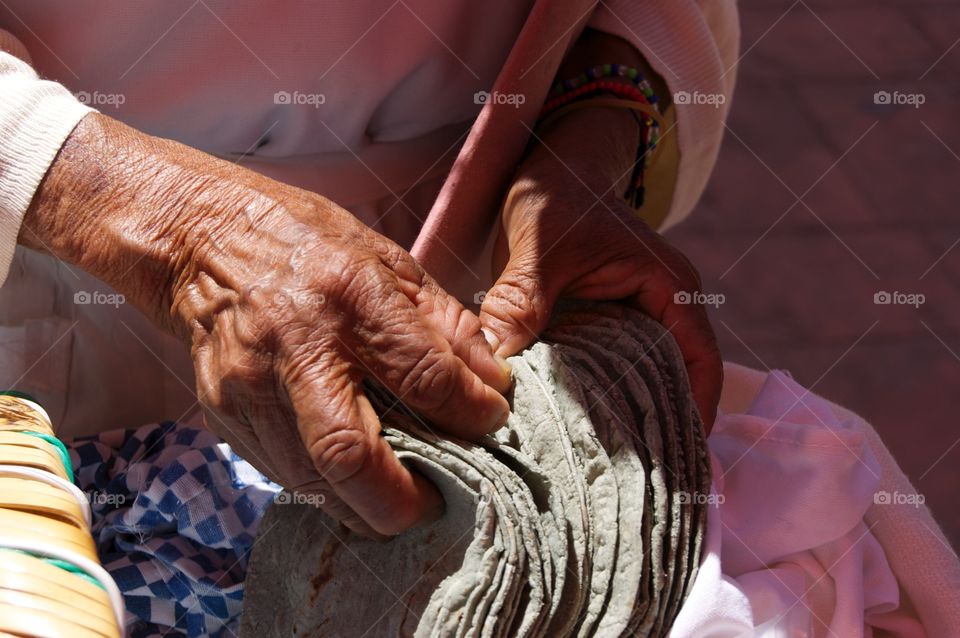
x,y
287,302
567,233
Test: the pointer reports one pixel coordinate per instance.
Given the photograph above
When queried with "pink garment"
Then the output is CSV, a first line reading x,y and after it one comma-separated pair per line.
x,y
797,542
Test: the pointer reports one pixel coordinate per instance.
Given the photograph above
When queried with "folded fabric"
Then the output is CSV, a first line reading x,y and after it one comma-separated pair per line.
x,y
175,514
790,549
584,515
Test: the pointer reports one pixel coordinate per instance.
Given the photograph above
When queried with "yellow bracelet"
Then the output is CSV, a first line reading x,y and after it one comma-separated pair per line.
x,y
43,625
59,532
35,453
80,616
17,565
17,413
34,497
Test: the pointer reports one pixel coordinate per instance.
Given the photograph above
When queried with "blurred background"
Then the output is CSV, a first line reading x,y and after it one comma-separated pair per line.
x,y
839,179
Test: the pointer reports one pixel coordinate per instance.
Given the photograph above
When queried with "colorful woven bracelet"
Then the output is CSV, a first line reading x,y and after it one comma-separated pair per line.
x,y
626,91
609,79
651,133
606,71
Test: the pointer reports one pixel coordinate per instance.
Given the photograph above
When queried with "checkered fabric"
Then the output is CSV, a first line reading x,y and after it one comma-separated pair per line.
x,y
175,514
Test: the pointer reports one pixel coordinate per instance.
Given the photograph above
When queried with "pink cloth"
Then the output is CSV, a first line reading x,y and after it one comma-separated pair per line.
x,y
797,542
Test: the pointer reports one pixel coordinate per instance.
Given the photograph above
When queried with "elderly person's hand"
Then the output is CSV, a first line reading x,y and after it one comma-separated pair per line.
x,y
568,232
287,301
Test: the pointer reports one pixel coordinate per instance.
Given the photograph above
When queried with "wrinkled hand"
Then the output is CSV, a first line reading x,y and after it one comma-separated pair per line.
x,y
291,313
288,303
557,240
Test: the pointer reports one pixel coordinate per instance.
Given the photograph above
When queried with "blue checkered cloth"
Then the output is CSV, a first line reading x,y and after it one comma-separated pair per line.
x,y
175,514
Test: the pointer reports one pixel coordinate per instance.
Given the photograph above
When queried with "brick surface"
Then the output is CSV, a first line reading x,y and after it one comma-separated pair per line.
x,y
797,295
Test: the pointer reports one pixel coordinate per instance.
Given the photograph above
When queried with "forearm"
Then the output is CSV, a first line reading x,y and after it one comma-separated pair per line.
x,y
96,209
132,209
597,145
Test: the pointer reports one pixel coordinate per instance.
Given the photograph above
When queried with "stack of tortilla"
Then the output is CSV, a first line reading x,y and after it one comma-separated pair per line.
x,y
583,516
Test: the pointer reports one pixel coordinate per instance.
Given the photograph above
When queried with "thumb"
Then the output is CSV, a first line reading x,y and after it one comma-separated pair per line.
x,y
516,310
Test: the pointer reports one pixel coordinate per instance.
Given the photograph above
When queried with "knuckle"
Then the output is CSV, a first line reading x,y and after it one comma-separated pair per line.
x,y
341,276
340,454
313,365
431,381
390,254
521,294
368,286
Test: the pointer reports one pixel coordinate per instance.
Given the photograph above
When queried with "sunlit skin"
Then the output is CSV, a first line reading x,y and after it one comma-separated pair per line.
x,y
288,302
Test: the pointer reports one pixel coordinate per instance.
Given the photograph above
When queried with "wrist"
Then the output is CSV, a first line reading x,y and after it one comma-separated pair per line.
x,y
114,204
586,154
598,145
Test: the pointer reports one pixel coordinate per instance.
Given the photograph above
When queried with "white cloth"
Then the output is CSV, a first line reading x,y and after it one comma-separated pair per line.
x,y
800,541
36,116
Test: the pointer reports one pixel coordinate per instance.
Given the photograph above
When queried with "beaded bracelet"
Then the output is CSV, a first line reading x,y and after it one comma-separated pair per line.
x,y
651,122
627,91
607,71
646,150
636,93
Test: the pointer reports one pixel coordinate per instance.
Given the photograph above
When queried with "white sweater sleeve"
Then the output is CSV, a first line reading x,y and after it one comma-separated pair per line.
x,y
693,46
36,116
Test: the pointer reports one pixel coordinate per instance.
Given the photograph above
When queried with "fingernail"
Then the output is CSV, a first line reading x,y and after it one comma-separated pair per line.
x,y
502,421
491,339
507,369
494,344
